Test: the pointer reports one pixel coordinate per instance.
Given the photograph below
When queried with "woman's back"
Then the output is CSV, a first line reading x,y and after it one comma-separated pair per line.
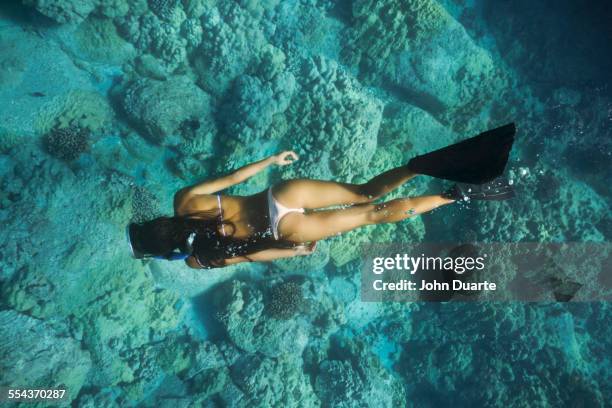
x,y
241,216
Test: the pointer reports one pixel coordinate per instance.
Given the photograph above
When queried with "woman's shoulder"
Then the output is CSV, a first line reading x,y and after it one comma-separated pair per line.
x,y
187,203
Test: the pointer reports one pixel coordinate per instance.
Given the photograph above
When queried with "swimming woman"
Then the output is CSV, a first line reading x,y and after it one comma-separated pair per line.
x,y
210,229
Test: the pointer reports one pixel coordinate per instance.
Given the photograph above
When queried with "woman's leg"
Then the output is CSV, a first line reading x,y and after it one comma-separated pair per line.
x,y
322,224
305,193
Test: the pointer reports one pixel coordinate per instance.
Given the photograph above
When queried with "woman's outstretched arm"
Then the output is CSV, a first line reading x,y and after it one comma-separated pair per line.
x,y
263,256
271,254
240,175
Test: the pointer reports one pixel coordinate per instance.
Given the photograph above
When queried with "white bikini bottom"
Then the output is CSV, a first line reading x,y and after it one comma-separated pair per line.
x,y
277,211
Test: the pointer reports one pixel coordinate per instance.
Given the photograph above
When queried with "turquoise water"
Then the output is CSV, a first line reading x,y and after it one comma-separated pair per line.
x,y
108,107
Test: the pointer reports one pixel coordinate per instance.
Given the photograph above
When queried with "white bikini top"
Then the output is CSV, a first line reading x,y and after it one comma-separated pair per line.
x,y
221,214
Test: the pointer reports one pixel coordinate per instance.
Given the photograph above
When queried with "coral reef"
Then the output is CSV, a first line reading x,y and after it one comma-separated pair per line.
x,y
285,300
253,101
35,94
67,143
240,310
97,40
36,353
427,57
231,40
63,11
161,108
455,350
257,377
333,125
565,211
381,29
159,36
85,109
163,8
166,93
353,376
426,133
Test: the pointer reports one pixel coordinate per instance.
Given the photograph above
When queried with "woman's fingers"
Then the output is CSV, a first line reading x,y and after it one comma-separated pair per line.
x,y
306,249
312,246
288,157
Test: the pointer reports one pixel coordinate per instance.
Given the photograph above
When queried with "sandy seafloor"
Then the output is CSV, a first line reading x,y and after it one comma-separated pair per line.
x,y
108,106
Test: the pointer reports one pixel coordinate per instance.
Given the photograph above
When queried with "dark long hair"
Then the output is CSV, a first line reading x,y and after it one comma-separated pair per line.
x,y
163,235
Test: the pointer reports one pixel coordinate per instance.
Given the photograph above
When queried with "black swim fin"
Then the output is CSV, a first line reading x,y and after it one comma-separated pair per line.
x,y
497,189
476,160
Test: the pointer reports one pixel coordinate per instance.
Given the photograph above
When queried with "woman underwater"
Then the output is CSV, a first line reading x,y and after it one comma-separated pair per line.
x,y
210,229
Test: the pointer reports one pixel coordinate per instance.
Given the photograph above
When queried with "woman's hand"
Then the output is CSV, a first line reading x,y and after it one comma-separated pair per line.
x,y
285,158
306,249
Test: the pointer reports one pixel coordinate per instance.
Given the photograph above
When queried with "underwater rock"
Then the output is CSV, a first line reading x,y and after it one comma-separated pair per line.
x,y
379,29
232,38
426,55
569,210
457,89
269,382
229,351
449,353
145,372
79,108
147,65
191,30
9,140
34,353
254,100
244,312
110,305
413,131
322,308
163,8
172,392
103,398
67,143
118,340
240,310
196,8
207,356
209,383
584,138
175,354
353,376
161,108
97,40
197,148
64,11
333,125
336,382
159,37
167,30
30,292
38,83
